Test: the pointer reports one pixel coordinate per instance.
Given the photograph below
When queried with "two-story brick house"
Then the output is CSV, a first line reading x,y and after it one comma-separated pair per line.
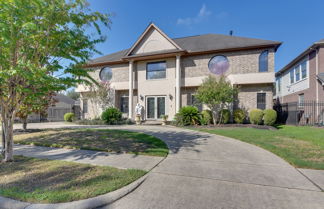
x,y
163,74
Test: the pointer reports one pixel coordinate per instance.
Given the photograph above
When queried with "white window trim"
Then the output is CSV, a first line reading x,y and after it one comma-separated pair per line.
x,y
300,71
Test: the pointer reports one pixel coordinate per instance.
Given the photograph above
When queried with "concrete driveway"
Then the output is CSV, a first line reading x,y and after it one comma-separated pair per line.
x,y
206,171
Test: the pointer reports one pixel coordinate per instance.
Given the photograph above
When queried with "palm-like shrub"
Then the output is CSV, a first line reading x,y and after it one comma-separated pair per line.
x,y
69,117
111,116
269,117
239,116
187,115
256,116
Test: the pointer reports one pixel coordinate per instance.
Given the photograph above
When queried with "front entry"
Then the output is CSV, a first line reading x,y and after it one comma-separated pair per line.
x,y
155,107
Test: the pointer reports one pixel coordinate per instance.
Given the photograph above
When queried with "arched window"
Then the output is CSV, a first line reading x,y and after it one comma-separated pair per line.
x,y
263,61
105,74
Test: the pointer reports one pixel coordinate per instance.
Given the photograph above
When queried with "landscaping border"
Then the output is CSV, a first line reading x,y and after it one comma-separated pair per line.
x,y
94,202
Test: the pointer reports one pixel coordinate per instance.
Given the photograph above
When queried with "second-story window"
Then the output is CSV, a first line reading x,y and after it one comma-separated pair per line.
x,y
263,61
292,77
155,70
105,74
304,69
297,73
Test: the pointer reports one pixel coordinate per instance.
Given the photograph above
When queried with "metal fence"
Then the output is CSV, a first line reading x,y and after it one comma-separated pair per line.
x,y
304,113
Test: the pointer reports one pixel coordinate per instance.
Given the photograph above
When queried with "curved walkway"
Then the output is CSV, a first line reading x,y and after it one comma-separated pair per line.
x,y
210,171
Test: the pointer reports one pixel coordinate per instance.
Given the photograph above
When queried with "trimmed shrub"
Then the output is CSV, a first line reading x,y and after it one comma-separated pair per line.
x,y
69,117
256,116
206,117
269,117
111,116
239,116
225,115
187,115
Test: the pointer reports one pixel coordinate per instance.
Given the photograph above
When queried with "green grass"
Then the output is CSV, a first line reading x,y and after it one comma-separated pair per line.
x,y
302,147
51,181
96,139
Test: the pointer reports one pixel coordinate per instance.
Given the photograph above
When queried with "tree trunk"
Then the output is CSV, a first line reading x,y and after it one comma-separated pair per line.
x,y
3,141
214,117
24,125
8,132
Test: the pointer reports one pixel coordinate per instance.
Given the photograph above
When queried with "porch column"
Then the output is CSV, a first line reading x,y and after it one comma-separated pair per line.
x,y
130,94
178,84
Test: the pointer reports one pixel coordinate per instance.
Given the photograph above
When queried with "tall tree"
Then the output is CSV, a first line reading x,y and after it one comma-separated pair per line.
x,y
36,38
216,94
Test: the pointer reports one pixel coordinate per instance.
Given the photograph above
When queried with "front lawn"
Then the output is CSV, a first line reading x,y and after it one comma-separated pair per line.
x,y
96,139
51,181
301,146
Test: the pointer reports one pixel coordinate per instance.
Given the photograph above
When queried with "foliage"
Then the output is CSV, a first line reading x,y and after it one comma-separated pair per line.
x,y
188,115
206,117
269,117
216,94
72,94
239,116
69,117
111,116
225,115
256,116
37,40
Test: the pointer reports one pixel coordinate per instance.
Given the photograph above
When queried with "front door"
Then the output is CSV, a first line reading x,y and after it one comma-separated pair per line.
x,y
155,107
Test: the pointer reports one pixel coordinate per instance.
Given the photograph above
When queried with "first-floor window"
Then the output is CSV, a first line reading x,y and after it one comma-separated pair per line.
x,y
261,101
301,100
85,106
196,103
124,104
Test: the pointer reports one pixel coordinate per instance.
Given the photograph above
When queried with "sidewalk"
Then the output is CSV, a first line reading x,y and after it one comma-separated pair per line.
x,y
123,161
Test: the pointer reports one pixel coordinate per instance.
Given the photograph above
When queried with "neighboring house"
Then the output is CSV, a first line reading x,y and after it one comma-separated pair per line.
x,y
163,74
56,112
300,86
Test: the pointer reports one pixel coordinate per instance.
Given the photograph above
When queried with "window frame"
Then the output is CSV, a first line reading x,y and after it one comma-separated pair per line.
x,y
195,103
262,105
85,104
121,104
302,71
266,60
102,69
301,104
147,71
297,72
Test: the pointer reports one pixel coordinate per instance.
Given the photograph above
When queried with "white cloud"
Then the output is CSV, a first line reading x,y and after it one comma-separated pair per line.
x,y
202,15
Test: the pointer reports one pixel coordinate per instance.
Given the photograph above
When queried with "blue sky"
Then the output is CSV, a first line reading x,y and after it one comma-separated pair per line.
x,y
296,23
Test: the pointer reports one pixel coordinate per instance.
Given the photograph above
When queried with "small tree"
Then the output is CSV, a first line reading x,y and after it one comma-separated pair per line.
x,y
38,105
101,96
217,95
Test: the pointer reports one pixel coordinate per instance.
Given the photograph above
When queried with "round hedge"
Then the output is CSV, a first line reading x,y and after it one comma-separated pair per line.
x,y
239,116
111,116
269,117
69,117
188,115
256,116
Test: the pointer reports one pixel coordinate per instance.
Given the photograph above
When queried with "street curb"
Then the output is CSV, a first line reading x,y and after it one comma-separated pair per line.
x,y
105,199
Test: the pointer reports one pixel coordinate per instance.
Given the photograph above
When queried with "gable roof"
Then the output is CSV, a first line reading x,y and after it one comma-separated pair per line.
x,y
151,26
190,44
300,56
65,99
